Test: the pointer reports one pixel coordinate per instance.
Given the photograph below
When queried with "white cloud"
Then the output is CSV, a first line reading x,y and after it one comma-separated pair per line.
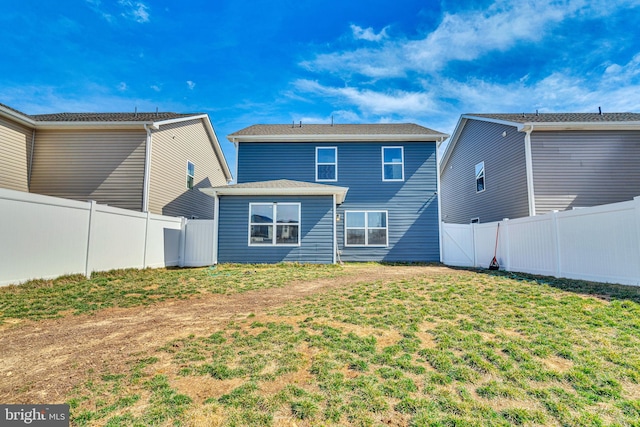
x,y
156,88
464,36
190,84
137,11
370,101
368,34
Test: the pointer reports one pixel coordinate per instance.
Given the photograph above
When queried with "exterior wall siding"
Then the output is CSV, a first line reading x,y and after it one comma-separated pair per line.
x,y
102,165
15,142
171,147
316,232
412,204
584,168
505,194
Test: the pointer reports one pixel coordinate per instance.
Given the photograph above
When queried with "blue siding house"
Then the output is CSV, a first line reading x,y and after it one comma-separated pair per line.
x,y
329,193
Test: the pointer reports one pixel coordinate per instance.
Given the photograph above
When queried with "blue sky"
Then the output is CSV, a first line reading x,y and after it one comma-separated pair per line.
x,y
280,61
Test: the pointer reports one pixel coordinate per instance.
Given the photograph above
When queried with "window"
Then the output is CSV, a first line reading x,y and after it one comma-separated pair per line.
x,y
191,173
475,220
326,164
366,228
392,164
480,177
284,218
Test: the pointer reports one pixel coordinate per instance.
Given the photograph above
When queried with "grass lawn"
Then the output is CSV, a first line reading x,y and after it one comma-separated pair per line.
x,y
448,347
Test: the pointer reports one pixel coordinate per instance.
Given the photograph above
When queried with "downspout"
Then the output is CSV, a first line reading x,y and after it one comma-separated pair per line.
x,y
529,169
216,216
439,202
237,145
147,171
33,143
335,235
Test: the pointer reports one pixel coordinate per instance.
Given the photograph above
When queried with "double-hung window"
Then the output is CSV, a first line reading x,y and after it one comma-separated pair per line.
x,y
480,177
366,228
392,164
191,173
326,164
274,224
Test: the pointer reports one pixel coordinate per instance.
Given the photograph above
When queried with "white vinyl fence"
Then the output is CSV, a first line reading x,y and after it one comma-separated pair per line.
x,y
600,243
46,237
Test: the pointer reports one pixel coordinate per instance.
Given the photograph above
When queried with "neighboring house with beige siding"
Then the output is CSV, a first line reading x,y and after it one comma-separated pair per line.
x,y
500,166
141,161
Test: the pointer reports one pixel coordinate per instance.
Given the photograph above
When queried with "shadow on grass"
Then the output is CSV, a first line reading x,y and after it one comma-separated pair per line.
x,y
605,291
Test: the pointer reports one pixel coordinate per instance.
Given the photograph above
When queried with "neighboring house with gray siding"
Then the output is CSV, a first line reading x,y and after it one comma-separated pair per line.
x,y
325,193
500,166
141,161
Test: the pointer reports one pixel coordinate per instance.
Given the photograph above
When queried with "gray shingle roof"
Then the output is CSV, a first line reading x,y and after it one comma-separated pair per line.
x,y
336,129
277,184
563,117
102,117
108,117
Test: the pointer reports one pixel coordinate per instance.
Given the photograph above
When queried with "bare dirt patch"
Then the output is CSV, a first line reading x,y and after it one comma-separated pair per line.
x,y
42,361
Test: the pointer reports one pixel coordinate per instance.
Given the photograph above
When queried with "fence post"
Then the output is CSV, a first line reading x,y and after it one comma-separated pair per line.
x,y
506,245
183,237
637,214
555,231
92,217
473,244
146,242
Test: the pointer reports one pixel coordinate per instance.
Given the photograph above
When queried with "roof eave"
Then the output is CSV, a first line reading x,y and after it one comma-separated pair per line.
x,y
16,116
56,125
549,126
340,192
340,138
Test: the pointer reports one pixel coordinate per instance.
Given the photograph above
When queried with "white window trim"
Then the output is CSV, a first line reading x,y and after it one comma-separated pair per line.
x,y
393,163
193,177
274,224
484,177
366,229
335,149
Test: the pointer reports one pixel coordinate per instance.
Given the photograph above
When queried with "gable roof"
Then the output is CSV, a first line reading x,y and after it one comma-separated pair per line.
x,y
278,187
336,132
114,121
528,122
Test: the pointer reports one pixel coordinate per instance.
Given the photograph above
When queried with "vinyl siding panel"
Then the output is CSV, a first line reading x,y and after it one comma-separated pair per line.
x,y
171,147
584,168
15,143
102,165
505,194
411,204
316,231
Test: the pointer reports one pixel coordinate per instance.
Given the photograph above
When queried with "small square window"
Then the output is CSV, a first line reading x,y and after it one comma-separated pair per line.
x,y
191,173
366,228
480,177
392,164
326,164
283,218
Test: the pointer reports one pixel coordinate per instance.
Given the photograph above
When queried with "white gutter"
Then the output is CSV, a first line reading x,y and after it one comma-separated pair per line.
x,y
235,144
529,169
339,138
33,145
335,233
147,171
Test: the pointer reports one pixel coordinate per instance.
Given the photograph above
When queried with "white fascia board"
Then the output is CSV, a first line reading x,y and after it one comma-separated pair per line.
x,y
92,125
452,143
339,192
339,138
214,139
13,115
550,126
492,120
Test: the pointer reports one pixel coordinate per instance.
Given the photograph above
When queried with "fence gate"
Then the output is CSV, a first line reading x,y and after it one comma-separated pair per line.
x,y
198,243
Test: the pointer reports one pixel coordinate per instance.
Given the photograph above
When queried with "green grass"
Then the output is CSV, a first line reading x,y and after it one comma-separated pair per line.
x,y
446,348
41,299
